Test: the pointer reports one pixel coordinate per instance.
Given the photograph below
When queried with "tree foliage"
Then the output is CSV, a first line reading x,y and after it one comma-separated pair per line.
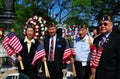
x,y
26,10
1,6
69,12
90,11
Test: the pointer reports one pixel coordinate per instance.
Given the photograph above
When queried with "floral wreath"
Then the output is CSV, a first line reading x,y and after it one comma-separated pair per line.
x,y
73,31
39,25
1,32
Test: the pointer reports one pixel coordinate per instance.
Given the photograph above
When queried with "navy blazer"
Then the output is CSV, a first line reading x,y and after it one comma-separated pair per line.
x,y
59,51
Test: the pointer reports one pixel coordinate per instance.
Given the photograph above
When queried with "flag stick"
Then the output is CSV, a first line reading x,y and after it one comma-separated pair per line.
x,y
73,69
21,64
92,76
46,70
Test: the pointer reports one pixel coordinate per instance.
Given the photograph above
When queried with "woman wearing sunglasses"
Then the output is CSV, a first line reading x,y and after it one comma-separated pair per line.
x,y
106,60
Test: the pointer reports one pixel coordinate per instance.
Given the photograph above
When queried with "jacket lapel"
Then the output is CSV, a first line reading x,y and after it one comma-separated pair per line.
x,y
25,47
57,42
110,37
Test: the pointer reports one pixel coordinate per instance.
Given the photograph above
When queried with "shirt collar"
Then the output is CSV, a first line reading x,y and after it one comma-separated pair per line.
x,y
84,38
26,40
54,36
79,39
107,35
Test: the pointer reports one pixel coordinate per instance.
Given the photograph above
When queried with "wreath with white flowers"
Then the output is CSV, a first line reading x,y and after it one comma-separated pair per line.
x,y
39,25
1,32
73,31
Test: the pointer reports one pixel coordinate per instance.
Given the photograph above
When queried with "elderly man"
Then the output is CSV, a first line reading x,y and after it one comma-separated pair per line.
x,y
54,46
82,49
106,62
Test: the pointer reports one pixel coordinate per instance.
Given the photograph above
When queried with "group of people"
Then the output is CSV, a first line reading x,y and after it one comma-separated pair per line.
x,y
104,64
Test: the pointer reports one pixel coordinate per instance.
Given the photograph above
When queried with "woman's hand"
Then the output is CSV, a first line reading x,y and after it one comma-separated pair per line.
x,y
19,58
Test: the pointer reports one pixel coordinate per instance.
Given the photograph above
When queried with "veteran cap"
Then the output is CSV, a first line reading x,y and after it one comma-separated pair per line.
x,y
105,18
82,26
30,26
52,24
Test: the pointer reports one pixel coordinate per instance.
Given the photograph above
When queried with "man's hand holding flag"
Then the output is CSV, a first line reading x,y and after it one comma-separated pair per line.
x,y
40,56
68,57
68,53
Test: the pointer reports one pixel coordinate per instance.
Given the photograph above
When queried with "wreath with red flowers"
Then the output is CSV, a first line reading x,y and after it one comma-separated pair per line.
x,y
39,25
73,31
1,32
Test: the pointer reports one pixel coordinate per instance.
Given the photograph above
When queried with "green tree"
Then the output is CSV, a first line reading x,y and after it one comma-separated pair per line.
x,y
27,9
91,10
1,6
79,12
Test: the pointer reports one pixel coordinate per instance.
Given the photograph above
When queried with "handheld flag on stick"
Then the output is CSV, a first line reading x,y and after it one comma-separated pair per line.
x,y
40,53
95,58
68,54
12,45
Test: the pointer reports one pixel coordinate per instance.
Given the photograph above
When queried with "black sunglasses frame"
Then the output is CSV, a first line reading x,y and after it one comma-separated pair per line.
x,y
105,24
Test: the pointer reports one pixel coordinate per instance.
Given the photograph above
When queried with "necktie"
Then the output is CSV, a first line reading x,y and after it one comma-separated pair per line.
x,y
102,41
51,50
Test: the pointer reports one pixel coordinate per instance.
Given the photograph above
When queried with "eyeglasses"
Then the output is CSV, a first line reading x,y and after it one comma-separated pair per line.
x,y
105,24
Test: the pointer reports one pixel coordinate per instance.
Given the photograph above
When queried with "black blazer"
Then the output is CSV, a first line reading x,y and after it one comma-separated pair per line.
x,y
109,65
27,59
59,51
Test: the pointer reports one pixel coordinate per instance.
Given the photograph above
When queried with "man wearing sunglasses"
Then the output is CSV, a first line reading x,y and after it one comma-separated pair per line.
x,y
108,61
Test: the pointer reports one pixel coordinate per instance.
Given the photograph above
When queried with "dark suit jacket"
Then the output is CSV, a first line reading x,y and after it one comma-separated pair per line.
x,y
59,51
27,59
109,65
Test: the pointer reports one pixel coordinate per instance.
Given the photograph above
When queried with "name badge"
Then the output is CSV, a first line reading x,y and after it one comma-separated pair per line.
x,y
59,46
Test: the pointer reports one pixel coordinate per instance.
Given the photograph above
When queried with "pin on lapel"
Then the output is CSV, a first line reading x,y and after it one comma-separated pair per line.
x,y
57,39
107,40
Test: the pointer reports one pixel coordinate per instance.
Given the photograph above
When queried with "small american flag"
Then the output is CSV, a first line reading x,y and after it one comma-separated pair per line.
x,y
68,53
40,52
11,44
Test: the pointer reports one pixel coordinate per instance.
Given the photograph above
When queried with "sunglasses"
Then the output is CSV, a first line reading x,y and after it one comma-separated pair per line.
x,y
105,24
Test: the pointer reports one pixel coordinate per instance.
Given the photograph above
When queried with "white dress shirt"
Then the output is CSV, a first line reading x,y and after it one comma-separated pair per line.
x,y
29,42
82,49
54,40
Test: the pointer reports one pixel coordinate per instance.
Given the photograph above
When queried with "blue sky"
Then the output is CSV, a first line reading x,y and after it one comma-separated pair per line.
x,y
56,9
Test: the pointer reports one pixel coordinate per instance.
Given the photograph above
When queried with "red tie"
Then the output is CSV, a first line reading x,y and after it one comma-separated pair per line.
x,y
51,50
